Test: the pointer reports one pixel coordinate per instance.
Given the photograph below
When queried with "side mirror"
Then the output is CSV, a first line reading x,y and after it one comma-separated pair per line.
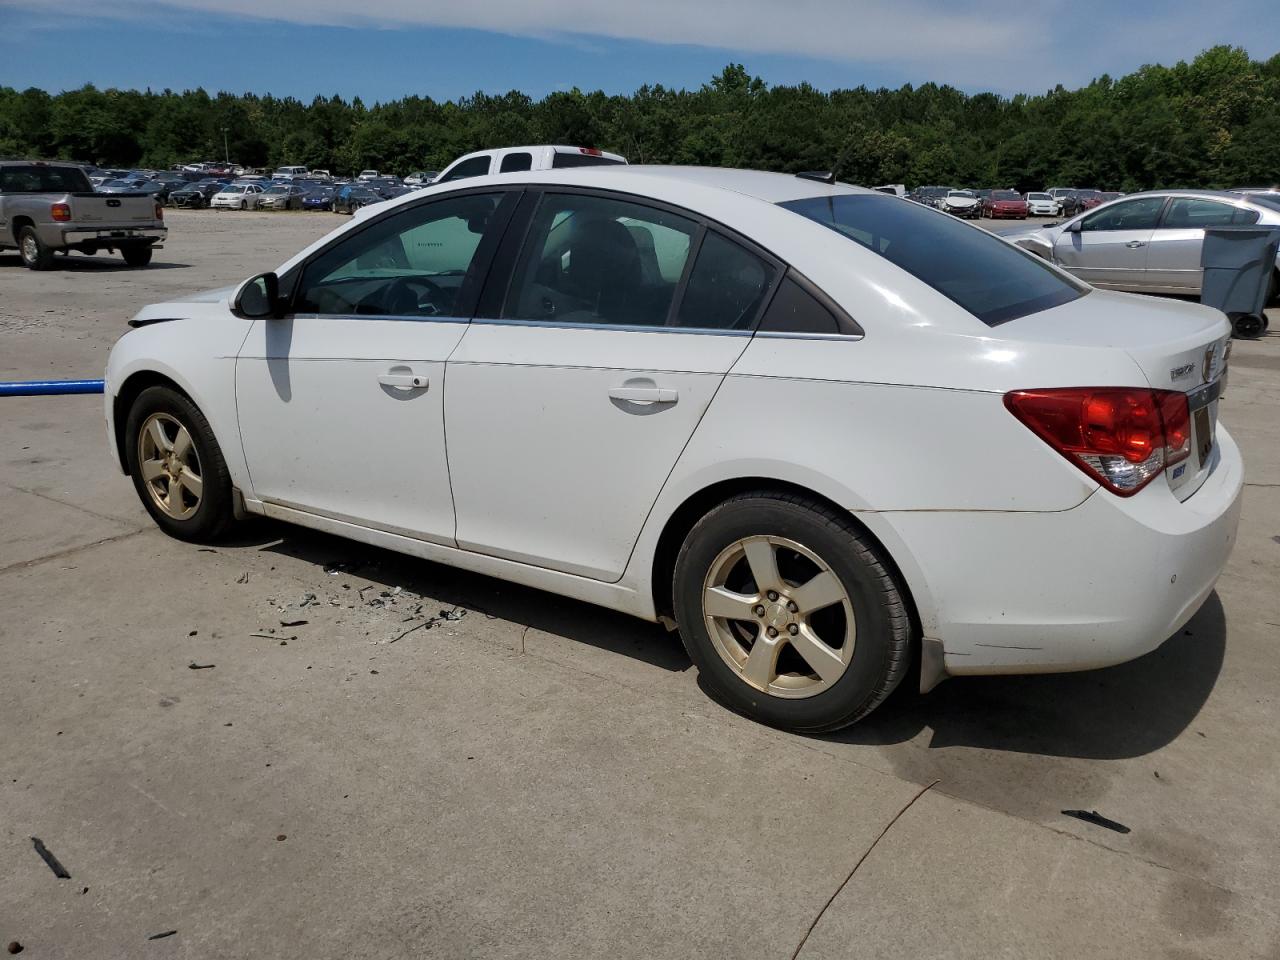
x,y
1074,226
260,297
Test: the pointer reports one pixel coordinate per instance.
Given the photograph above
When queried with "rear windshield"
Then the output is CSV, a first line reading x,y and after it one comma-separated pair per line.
x,y
992,279
561,160
35,179
1271,200
1004,195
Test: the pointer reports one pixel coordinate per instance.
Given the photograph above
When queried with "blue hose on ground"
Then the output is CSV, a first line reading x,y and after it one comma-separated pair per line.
x,y
47,388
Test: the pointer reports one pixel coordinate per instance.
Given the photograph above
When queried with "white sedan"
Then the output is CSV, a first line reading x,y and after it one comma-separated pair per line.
x,y
835,439
1043,205
237,196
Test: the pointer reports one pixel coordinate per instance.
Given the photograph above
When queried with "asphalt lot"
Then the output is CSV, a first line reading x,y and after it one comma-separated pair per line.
x,y
540,778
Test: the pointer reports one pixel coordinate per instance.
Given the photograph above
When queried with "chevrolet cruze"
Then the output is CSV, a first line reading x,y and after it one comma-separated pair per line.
x,y
835,439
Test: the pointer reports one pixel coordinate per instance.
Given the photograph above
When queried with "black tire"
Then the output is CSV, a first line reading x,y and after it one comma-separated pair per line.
x,y
883,627
35,255
138,255
1248,326
213,516
244,204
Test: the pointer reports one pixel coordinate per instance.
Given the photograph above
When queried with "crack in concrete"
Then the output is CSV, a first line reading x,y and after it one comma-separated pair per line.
x,y
23,564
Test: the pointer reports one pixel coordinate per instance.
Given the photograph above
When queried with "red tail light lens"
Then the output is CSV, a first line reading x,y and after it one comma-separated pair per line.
x,y
159,212
591,151
61,212
1121,437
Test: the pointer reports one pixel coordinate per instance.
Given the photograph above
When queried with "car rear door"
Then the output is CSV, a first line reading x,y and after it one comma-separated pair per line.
x,y
1173,263
1110,248
341,402
577,386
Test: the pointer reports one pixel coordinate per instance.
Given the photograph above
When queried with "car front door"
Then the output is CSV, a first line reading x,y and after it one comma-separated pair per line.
x,y
572,395
341,402
1110,248
1174,261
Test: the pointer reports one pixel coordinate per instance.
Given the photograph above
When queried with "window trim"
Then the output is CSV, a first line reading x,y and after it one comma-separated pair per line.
x,y
505,210
503,269
1221,201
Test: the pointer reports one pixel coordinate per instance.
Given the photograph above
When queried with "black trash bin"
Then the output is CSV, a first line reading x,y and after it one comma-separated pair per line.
x,y
1239,263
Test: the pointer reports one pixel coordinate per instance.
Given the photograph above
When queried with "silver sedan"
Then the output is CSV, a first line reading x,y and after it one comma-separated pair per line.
x,y
1147,242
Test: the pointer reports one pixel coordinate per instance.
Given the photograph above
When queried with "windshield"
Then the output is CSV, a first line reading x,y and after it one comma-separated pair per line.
x,y
992,279
38,179
1004,195
1038,196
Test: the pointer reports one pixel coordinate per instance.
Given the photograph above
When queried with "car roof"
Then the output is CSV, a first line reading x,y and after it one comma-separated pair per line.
x,y
759,184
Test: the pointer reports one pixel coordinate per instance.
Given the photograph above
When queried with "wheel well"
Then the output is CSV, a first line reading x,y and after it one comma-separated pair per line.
x,y
129,392
701,503
18,223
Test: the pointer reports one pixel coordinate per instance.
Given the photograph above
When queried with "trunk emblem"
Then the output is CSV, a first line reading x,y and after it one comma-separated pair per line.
x,y
113,203
1177,373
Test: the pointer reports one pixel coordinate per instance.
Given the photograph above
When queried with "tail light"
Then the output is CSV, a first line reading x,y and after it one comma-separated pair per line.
x,y
1121,437
159,212
591,151
61,212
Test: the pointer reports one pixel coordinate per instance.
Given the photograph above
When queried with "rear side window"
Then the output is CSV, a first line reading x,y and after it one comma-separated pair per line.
x,y
34,179
1186,213
993,280
795,310
516,161
561,160
726,288
475,167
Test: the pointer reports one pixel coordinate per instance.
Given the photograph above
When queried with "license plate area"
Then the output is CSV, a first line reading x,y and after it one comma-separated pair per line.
x,y
1203,404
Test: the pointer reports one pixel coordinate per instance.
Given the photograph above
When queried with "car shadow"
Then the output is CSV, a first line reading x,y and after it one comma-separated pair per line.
x,y
1119,712
78,263
572,619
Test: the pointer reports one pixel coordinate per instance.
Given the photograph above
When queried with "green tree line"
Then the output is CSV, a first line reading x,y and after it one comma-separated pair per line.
x,y
1212,122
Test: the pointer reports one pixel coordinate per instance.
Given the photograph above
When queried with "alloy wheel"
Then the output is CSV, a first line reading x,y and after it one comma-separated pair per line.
x,y
170,466
779,616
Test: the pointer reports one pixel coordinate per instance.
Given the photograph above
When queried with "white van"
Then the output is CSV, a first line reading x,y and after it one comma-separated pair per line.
x,y
288,173
513,159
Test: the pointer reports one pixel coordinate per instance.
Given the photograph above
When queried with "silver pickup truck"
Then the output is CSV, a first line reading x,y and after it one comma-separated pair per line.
x,y
50,207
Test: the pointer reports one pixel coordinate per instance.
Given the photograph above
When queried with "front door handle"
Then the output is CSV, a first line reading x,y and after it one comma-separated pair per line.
x,y
644,394
406,380
1134,244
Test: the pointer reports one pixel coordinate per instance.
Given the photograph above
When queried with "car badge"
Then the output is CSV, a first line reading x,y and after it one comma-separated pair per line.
x,y
1177,373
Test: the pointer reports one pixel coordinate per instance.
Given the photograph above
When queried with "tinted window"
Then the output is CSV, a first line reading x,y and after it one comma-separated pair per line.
x,y
1141,213
561,160
475,167
992,279
413,263
726,287
516,161
599,260
795,310
1186,213
35,179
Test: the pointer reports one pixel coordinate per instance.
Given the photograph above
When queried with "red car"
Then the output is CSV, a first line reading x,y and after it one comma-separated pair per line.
x,y
1004,205
1090,199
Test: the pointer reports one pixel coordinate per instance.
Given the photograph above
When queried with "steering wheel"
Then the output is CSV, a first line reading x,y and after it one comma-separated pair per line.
x,y
402,300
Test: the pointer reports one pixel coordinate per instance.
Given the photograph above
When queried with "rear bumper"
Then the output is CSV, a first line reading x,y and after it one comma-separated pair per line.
x,y
1100,584
110,236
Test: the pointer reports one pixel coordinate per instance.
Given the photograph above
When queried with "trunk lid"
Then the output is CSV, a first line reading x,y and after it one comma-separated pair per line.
x,y
112,209
1178,345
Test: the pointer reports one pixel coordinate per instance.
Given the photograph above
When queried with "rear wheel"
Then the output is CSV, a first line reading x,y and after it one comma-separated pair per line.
x,y
789,613
36,255
137,256
177,467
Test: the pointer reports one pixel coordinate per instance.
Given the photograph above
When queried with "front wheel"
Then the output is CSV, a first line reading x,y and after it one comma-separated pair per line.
x,y
177,467
789,612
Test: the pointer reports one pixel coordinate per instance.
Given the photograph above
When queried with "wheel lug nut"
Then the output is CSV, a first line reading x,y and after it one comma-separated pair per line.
x,y
771,632
793,629
773,594
759,611
792,607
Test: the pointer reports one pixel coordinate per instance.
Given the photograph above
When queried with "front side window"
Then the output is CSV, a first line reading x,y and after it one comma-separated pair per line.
x,y
599,260
993,280
1188,213
1141,213
475,167
416,263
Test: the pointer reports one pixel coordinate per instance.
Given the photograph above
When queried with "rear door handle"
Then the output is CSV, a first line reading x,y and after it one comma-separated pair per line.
x,y
1134,244
410,380
644,394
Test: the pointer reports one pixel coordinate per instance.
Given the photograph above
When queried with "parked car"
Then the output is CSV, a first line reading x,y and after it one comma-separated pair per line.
x,y
352,197
157,189
237,196
282,197
368,175
894,189
196,195
1145,242
1043,205
49,208
421,178
933,196
1090,199
516,159
318,198
961,203
1109,195
801,575
288,173
320,175
1005,205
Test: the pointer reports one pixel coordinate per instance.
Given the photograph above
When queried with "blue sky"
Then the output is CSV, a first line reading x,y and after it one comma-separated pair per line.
x,y
390,48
